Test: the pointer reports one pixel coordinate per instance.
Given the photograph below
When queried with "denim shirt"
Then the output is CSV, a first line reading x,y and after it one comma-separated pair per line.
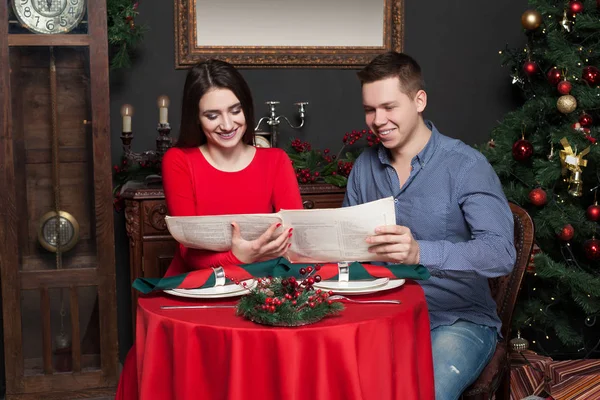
x,y
454,205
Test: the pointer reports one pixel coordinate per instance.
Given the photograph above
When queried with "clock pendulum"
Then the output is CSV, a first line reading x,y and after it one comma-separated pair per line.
x,y
59,230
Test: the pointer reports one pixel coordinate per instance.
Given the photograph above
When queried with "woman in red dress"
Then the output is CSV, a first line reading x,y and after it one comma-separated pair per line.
x,y
214,169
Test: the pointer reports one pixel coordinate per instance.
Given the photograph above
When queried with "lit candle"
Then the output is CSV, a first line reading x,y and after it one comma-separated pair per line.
x,y
163,109
126,113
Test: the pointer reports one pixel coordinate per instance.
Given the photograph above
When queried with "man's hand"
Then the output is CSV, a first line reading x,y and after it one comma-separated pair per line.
x,y
266,247
394,243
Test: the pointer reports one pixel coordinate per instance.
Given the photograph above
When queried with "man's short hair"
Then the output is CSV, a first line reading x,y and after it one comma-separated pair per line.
x,y
393,64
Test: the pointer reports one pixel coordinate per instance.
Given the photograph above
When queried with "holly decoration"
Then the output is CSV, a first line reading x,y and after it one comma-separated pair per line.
x,y
123,33
538,197
593,212
591,75
564,87
288,301
313,165
128,171
522,150
591,247
566,233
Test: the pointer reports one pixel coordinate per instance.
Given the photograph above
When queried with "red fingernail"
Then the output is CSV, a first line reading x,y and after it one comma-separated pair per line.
x,y
290,235
277,226
291,229
289,245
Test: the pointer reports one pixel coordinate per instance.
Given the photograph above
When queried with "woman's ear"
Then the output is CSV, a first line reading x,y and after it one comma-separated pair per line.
x,y
421,100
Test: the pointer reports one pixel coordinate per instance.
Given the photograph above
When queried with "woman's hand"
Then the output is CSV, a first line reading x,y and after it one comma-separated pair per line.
x,y
394,243
266,247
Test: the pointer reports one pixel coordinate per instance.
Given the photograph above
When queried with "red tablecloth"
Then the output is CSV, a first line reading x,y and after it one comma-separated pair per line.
x,y
369,351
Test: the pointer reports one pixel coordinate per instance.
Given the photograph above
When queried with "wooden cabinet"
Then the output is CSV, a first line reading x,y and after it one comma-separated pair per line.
x,y
151,247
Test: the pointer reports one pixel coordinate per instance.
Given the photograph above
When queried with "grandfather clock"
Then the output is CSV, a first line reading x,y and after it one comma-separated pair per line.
x,y
57,262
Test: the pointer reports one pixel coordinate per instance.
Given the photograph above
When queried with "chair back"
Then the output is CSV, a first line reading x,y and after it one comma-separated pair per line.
x,y
505,289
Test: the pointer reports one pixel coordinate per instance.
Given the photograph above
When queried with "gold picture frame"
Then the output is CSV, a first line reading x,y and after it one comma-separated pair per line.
x,y
190,50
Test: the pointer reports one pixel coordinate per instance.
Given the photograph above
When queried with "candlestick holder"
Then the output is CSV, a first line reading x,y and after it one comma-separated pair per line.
x,y
163,140
163,143
273,120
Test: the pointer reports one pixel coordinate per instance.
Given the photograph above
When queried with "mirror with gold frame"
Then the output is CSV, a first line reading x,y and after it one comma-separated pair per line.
x,y
274,33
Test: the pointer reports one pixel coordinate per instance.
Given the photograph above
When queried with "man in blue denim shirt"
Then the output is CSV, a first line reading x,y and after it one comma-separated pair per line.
x,y
451,216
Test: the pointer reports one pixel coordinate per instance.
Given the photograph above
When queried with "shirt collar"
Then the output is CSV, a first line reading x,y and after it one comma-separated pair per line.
x,y
424,155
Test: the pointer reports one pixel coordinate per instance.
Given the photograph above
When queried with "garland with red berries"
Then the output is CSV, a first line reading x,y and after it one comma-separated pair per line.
x,y
123,34
288,301
321,166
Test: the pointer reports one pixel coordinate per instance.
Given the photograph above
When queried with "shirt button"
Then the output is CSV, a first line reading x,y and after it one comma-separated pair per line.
x,y
396,201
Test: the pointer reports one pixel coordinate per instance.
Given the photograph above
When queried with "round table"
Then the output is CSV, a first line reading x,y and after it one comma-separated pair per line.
x,y
369,351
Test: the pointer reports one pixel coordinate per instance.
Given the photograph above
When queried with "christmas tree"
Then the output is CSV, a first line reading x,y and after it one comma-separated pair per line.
x,y
547,158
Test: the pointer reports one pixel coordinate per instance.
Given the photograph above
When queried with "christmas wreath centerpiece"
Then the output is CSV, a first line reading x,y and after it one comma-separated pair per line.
x,y
288,301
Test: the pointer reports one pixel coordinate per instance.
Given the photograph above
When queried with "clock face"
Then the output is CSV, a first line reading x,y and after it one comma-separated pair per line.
x,y
261,141
49,16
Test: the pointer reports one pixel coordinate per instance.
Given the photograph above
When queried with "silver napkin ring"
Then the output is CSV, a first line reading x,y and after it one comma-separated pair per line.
x,y
219,276
343,271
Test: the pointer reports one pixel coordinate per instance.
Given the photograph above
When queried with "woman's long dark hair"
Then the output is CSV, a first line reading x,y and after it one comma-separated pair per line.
x,y
203,77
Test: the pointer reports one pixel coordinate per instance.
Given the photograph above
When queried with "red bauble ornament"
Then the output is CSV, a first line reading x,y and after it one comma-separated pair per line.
x,y
564,87
566,233
593,212
575,6
554,76
538,197
530,67
585,120
591,248
522,150
591,75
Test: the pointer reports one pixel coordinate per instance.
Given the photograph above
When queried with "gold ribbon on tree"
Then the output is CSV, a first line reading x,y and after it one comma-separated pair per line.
x,y
571,161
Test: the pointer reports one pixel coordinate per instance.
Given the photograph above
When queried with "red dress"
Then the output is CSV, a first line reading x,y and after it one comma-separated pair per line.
x,y
194,187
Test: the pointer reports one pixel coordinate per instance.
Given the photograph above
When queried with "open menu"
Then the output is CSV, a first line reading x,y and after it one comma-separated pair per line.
x,y
320,235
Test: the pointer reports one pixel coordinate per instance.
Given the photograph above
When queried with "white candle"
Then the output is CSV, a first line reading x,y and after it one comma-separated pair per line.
x,y
126,113
163,109
127,124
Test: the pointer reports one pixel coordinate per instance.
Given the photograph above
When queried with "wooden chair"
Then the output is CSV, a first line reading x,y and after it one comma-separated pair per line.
x,y
495,378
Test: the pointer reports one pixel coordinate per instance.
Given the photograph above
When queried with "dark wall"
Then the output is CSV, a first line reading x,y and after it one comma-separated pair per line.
x,y
456,43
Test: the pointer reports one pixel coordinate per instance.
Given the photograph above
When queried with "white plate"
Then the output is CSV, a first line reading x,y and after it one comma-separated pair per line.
x,y
351,285
215,292
392,284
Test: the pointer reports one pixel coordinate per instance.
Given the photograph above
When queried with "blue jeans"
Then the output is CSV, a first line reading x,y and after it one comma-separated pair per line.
x,y
460,352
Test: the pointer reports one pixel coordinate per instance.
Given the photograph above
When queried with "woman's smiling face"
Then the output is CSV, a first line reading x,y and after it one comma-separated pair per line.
x,y
222,118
